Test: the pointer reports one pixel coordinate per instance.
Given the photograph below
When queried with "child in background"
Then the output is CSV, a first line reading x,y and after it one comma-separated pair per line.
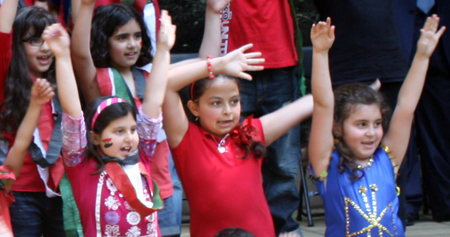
x,y
108,159
218,159
354,161
41,93
24,56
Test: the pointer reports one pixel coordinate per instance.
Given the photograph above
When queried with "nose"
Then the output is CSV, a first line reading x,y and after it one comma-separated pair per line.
x,y
226,109
370,131
132,43
44,47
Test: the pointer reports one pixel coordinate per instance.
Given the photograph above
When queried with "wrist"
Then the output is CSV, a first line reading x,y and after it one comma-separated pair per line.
x,y
217,65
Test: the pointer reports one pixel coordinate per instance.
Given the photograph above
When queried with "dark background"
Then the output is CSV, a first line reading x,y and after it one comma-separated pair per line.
x,y
189,16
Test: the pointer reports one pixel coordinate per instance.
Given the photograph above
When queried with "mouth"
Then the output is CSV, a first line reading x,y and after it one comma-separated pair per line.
x,y
368,144
225,123
126,149
44,60
130,54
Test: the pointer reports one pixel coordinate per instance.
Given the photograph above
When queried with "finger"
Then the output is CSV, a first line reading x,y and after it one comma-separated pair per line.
x,y
331,31
246,47
245,76
253,55
440,32
255,61
255,68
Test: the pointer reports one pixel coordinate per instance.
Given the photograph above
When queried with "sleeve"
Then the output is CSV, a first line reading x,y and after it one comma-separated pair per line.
x,y
148,129
74,140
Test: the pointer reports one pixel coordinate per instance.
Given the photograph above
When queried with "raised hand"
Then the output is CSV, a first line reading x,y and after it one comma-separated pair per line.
x,y
41,92
322,35
429,36
217,5
166,34
236,62
57,40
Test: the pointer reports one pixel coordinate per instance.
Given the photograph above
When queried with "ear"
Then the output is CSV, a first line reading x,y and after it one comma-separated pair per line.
x,y
193,107
337,129
95,138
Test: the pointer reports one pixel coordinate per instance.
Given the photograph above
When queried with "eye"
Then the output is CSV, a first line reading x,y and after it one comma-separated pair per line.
x,y
119,131
121,37
362,124
216,103
377,124
36,41
133,130
138,35
235,102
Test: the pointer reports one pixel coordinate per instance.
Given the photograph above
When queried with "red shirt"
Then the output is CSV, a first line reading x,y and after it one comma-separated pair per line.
x,y
223,191
267,24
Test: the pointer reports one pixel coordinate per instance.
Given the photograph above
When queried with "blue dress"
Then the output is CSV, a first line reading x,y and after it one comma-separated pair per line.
x,y
366,207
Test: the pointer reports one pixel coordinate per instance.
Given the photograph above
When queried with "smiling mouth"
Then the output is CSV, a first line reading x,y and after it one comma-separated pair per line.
x,y
131,54
126,149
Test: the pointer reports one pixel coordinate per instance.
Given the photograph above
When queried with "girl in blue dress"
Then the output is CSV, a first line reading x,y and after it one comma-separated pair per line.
x,y
354,149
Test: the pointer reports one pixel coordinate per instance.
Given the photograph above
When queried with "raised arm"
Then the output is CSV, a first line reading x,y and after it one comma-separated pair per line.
x,y
321,138
83,64
234,64
156,86
41,93
212,33
397,136
59,43
7,15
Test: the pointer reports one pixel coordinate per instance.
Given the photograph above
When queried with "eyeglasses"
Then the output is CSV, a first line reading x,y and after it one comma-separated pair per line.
x,y
34,41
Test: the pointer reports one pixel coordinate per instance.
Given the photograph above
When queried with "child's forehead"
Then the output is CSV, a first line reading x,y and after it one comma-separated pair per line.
x,y
365,111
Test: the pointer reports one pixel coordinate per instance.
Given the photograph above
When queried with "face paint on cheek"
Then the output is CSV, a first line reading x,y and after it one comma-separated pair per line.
x,y
107,142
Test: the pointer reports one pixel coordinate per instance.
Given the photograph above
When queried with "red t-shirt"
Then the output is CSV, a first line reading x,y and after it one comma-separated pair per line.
x,y
29,179
267,24
223,191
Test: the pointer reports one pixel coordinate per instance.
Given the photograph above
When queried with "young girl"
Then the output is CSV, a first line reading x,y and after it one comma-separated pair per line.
x,y
24,57
41,93
354,161
108,159
217,159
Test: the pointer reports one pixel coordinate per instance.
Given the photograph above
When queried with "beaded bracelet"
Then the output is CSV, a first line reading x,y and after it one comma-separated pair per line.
x,y
210,70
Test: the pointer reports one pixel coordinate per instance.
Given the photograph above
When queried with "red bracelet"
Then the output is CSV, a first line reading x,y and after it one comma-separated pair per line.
x,y
210,70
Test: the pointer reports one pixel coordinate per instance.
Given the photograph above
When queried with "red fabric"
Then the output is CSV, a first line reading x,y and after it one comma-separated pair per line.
x,y
223,191
29,179
85,186
6,199
160,165
260,22
5,59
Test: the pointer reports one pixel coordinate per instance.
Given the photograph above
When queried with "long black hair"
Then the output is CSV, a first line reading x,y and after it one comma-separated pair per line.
x,y
30,22
347,97
109,114
106,21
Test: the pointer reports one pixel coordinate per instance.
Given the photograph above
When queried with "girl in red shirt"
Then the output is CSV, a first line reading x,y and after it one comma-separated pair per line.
x,y
218,159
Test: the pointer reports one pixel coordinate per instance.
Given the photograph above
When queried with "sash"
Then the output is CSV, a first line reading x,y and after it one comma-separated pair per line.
x,y
125,187
121,89
55,144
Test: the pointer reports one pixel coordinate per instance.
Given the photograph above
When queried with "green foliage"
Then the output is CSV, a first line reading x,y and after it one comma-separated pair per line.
x,y
189,16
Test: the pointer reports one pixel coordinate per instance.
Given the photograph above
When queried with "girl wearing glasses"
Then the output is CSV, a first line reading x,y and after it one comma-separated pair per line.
x,y
25,57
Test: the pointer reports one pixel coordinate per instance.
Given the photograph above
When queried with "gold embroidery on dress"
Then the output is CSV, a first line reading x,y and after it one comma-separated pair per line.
x,y
371,216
